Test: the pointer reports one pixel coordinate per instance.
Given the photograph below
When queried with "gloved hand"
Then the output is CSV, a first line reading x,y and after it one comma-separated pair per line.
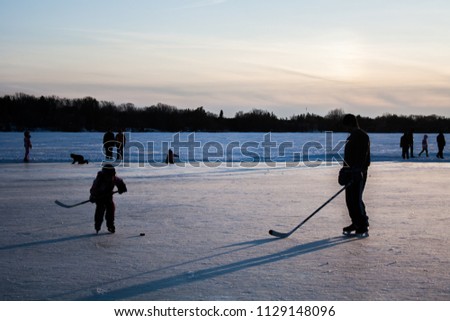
x,y
92,199
122,188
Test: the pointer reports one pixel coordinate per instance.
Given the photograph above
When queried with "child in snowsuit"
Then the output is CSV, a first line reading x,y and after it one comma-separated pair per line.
x,y
102,195
424,145
170,158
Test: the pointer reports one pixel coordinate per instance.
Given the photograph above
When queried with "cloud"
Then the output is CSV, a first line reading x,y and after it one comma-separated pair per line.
x,y
202,3
299,73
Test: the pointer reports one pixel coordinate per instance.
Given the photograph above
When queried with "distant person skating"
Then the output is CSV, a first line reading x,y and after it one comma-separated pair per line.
x,y
109,143
120,141
102,195
440,139
170,158
411,143
356,164
404,145
424,145
27,144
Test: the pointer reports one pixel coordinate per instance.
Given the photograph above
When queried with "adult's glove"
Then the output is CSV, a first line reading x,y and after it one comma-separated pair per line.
x,y
345,176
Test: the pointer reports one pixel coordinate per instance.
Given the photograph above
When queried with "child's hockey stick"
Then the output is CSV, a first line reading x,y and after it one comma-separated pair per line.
x,y
77,204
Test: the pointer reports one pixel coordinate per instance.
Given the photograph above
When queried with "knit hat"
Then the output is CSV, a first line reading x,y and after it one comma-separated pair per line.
x,y
350,120
109,170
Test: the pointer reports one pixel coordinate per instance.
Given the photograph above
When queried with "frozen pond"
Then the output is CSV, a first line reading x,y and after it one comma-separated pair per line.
x,y
151,148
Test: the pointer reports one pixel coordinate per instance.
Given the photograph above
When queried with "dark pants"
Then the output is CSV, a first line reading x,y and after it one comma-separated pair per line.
x,y
104,209
405,153
120,151
109,150
411,149
424,150
440,153
355,204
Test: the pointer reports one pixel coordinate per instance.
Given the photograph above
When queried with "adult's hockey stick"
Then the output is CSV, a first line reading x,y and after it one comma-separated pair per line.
x,y
77,204
284,235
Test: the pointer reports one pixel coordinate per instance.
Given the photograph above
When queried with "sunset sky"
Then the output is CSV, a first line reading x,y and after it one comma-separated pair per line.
x,y
286,56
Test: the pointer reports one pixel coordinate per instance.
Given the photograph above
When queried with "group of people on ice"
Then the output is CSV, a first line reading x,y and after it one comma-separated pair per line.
x,y
407,145
355,167
353,175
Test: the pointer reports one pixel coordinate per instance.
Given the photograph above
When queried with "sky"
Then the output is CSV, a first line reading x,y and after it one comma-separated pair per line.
x,y
286,56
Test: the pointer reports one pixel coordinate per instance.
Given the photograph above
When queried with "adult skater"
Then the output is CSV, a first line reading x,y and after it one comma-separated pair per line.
x,y
411,142
404,145
356,164
440,139
27,144
424,145
120,141
102,195
109,143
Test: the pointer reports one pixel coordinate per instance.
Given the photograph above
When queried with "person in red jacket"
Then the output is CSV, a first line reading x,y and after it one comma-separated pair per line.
x,y
102,196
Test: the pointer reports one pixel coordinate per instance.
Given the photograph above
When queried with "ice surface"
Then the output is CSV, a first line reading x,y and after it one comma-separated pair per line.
x,y
149,148
206,234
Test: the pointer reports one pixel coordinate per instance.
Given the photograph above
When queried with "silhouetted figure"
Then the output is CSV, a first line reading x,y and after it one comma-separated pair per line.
x,y
27,144
410,136
170,158
109,143
102,196
440,139
120,141
424,145
78,159
404,144
357,162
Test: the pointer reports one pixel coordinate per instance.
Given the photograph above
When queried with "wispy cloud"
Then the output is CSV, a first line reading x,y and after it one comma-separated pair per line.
x,y
202,3
299,73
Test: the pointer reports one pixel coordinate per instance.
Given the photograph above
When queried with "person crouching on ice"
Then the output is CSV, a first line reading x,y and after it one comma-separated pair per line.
x,y
102,195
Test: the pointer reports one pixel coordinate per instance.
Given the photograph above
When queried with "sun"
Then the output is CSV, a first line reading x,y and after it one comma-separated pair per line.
x,y
344,60
341,56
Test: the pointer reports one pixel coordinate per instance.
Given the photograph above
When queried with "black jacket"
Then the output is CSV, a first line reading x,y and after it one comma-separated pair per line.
x,y
357,150
440,139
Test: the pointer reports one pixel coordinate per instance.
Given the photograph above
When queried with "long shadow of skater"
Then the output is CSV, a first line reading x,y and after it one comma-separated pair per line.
x,y
209,273
46,242
233,248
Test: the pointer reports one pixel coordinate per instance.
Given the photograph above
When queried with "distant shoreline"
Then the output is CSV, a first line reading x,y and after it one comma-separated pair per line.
x,y
21,111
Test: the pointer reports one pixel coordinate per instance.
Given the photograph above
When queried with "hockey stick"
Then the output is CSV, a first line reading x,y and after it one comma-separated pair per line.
x,y
284,235
77,204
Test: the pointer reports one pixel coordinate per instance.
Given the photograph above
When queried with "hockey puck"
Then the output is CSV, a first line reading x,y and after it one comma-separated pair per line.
x,y
142,234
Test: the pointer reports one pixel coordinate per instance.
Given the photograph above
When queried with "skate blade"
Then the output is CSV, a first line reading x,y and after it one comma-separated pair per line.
x,y
358,235
362,235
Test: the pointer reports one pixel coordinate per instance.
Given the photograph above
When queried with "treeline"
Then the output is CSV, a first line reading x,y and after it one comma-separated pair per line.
x,y
20,111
